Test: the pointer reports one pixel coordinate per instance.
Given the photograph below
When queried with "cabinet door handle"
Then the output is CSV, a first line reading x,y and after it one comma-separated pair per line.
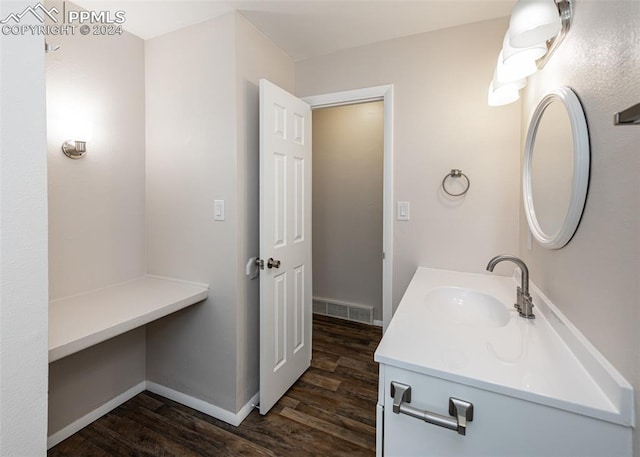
x,y
461,410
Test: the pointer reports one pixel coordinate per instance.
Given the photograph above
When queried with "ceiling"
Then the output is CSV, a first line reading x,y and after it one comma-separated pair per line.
x,y
308,28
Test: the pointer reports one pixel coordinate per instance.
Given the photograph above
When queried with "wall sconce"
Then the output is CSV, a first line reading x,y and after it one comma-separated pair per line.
x,y
536,29
76,149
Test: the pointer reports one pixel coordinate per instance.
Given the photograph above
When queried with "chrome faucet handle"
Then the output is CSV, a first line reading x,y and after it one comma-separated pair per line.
x,y
518,304
526,309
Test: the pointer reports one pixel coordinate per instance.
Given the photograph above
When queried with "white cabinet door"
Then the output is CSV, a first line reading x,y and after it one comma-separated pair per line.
x,y
502,426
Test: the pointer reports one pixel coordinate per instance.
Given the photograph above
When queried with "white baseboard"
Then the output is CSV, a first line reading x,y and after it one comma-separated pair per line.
x,y
246,409
378,323
234,419
212,410
97,413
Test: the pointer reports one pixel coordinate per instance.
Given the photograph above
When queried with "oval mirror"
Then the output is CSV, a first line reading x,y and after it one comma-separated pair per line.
x,y
556,168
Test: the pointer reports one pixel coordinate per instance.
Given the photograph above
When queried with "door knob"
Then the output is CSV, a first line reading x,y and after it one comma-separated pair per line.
x,y
273,263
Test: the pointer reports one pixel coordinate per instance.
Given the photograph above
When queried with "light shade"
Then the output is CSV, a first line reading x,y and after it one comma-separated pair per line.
x,y
502,94
533,22
513,74
521,57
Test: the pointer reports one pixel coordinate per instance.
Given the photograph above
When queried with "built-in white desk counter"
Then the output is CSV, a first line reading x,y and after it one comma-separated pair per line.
x,y
81,321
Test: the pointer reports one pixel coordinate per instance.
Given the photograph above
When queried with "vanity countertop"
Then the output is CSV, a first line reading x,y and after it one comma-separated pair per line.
x,y
543,360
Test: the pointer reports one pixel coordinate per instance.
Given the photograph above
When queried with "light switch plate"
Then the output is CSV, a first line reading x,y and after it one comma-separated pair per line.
x,y
402,211
218,210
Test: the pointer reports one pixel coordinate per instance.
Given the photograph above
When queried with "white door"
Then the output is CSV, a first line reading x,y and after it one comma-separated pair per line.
x,y
285,241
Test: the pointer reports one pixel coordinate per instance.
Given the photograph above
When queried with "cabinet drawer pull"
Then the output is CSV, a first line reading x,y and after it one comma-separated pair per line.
x,y
461,410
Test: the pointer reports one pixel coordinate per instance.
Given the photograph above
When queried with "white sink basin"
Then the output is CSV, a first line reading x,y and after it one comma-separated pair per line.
x,y
466,306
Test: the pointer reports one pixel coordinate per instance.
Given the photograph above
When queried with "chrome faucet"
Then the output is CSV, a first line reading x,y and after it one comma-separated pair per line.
x,y
524,302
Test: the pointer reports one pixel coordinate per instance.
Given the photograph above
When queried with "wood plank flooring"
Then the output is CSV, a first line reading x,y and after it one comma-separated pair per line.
x,y
329,411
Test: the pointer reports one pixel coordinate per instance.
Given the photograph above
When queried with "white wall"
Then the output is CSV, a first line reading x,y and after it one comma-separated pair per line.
x,y
96,205
23,244
441,122
595,279
347,204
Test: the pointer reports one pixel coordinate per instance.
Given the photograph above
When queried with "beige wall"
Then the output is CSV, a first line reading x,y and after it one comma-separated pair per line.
x,y
441,121
86,380
202,145
23,242
96,205
347,204
191,161
595,279
256,57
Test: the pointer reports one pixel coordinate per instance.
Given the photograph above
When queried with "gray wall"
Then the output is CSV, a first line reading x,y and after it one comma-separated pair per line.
x,y
96,205
347,204
595,279
441,121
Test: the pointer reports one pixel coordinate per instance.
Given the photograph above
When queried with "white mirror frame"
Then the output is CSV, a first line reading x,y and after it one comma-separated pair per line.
x,y
581,158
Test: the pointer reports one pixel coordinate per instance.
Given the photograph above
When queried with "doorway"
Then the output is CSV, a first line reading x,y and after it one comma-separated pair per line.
x,y
383,94
285,181
348,153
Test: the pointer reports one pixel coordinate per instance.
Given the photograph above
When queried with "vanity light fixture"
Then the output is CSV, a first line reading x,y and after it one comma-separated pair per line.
x,y
515,71
533,22
565,13
521,62
505,85
536,29
502,94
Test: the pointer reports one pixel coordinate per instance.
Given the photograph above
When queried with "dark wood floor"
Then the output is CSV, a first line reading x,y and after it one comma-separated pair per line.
x,y
329,411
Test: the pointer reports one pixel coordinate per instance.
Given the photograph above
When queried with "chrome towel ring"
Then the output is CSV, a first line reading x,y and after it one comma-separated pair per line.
x,y
455,173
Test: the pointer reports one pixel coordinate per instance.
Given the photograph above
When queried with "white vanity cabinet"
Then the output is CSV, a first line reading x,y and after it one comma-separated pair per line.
x,y
502,425
533,393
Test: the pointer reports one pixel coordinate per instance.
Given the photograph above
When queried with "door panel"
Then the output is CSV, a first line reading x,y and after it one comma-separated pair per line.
x,y
298,308
298,200
285,236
